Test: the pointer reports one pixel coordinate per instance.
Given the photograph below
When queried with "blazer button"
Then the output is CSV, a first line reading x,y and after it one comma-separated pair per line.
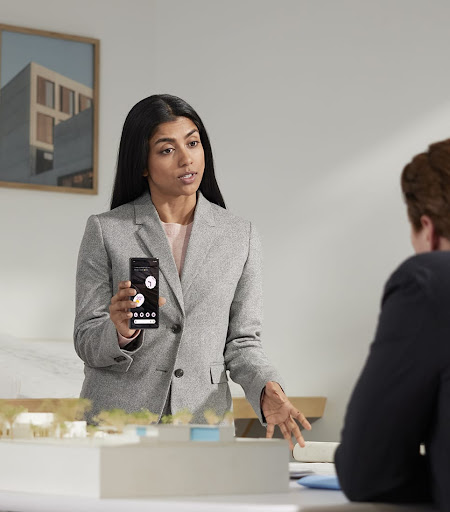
x,y
176,328
119,359
179,373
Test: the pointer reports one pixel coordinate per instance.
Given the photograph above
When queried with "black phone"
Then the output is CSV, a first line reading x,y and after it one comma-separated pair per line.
x,y
144,277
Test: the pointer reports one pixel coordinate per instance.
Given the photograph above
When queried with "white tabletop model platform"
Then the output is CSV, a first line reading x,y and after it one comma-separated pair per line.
x,y
150,461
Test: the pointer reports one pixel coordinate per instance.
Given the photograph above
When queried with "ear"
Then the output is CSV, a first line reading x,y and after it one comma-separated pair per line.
x,y
431,238
145,173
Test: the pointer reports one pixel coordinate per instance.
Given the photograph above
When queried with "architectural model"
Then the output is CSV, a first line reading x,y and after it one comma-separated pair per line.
x,y
63,457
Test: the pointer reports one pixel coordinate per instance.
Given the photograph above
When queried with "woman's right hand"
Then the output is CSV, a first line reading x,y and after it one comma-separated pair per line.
x,y
119,309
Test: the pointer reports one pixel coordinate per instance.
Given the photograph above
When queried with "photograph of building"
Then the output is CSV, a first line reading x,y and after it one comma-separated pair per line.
x,y
46,129
48,110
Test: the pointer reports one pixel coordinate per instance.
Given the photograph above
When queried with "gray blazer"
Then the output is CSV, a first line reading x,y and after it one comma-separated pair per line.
x,y
211,321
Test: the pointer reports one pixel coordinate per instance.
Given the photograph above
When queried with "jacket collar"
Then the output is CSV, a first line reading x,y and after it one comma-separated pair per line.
x,y
152,235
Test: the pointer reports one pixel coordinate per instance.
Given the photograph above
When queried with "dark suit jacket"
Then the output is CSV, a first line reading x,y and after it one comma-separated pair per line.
x,y
402,397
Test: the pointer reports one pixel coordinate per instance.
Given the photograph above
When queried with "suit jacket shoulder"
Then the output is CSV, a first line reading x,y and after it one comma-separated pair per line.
x,y
428,273
124,211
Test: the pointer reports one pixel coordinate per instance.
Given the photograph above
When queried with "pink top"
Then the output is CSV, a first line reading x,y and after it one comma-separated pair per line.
x,y
178,236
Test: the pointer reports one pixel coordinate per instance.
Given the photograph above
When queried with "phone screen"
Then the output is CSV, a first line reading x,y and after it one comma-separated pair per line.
x,y
144,277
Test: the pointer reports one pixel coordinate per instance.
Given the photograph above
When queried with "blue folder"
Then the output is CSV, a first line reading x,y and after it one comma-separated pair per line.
x,y
320,482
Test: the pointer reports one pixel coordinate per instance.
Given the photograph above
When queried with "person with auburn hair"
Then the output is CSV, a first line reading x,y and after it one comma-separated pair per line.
x,y
166,204
402,397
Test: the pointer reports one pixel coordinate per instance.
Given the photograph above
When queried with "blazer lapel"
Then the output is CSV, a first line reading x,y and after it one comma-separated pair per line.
x,y
153,237
200,241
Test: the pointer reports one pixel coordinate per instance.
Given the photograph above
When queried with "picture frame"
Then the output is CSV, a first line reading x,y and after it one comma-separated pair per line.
x,y
49,103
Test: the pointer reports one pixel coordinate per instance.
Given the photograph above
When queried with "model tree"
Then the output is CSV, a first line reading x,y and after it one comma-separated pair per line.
x,y
166,419
228,417
143,417
182,417
115,419
8,415
68,409
64,410
41,430
211,417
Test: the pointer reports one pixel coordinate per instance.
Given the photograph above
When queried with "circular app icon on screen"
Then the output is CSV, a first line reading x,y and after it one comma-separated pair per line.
x,y
139,299
150,282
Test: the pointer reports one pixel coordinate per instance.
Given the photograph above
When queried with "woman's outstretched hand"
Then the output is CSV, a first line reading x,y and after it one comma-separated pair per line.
x,y
119,309
278,410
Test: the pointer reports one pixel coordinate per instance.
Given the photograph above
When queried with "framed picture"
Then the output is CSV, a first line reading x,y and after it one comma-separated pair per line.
x,y
48,110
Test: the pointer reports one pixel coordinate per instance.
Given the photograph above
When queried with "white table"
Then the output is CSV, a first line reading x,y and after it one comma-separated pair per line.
x,y
296,499
292,501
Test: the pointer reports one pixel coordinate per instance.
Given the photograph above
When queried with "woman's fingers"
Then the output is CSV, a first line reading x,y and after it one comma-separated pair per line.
x,y
300,417
119,308
289,428
286,429
126,291
123,305
123,295
286,434
297,434
120,316
270,430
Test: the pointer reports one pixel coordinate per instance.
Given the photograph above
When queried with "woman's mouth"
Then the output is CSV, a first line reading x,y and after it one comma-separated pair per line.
x,y
188,178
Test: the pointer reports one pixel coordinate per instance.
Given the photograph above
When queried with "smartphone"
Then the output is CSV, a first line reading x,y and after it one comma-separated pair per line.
x,y
144,277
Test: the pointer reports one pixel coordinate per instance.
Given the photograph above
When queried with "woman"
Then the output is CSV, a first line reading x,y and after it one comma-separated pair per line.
x,y
166,204
402,398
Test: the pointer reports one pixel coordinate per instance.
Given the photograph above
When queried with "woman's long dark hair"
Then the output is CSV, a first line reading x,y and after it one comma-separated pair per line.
x,y
140,124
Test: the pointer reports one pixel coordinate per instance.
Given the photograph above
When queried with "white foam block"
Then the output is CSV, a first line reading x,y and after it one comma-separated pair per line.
x,y
315,451
97,469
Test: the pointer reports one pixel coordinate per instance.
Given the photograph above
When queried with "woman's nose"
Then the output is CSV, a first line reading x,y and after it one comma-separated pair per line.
x,y
185,157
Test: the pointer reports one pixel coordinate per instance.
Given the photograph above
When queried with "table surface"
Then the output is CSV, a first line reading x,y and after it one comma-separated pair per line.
x,y
292,501
296,499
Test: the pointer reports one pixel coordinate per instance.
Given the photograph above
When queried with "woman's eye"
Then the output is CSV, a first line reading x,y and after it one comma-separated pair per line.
x,y
193,143
167,151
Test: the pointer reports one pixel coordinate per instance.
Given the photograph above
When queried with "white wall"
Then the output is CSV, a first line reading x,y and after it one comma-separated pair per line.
x,y
313,108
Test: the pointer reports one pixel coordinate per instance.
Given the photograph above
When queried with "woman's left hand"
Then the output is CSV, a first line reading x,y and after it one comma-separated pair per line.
x,y
278,410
